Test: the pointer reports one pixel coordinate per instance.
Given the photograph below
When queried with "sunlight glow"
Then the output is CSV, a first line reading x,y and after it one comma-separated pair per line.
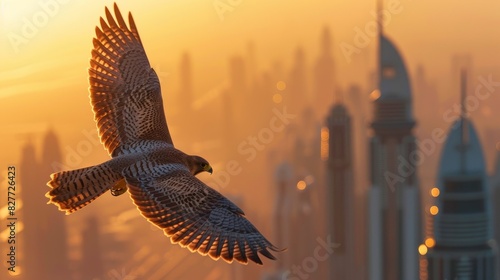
x,y
10,11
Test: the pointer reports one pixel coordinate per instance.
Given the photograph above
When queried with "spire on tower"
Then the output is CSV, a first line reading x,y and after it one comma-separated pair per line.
x,y
380,7
463,221
463,120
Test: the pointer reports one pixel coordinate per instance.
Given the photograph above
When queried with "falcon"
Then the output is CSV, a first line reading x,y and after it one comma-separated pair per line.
x,y
126,99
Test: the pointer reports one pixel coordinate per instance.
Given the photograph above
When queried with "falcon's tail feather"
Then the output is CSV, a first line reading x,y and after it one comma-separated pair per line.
x,y
72,190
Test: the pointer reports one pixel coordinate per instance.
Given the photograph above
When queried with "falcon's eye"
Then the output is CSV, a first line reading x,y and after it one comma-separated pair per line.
x,y
203,165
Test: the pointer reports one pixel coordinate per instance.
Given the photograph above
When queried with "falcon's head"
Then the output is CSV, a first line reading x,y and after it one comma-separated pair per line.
x,y
198,164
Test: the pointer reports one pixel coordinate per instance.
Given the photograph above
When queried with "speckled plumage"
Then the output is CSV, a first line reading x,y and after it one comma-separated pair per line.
x,y
128,108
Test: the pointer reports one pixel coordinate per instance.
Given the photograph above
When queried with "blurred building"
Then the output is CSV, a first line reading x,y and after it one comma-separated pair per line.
x,y
283,211
54,224
324,75
305,227
92,264
495,202
461,248
297,209
285,196
430,118
297,90
358,102
394,196
29,180
340,193
45,229
461,62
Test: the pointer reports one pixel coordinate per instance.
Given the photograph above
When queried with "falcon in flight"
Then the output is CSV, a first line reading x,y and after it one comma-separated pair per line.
x,y
128,108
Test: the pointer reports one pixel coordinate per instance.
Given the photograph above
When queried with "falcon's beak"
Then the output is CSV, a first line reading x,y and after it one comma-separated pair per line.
x,y
208,168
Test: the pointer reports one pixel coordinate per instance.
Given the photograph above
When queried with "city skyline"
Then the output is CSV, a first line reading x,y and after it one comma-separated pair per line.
x,y
283,100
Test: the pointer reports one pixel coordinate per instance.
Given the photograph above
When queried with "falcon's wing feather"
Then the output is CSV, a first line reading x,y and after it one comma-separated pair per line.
x,y
124,90
198,217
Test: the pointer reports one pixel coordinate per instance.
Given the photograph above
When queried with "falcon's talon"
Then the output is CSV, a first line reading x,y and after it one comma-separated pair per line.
x,y
118,191
119,188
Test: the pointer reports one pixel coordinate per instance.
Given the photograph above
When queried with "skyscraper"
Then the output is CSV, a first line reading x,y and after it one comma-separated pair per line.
x,y
283,211
53,223
45,228
394,196
460,62
92,250
357,100
495,201
283,208
324,71
29,180
340,193
462,212
297,94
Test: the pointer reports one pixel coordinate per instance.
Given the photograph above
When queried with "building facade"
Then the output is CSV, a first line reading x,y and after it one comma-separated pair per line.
x,y
463,230
340,193
394,196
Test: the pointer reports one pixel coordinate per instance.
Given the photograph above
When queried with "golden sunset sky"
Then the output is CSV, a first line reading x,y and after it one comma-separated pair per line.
x,y
45,49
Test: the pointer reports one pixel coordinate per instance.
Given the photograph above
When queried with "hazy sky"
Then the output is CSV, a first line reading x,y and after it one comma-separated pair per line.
x,y
45,47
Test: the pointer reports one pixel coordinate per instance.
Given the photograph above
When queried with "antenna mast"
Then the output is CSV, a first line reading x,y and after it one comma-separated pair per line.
x,y
463,119
379,8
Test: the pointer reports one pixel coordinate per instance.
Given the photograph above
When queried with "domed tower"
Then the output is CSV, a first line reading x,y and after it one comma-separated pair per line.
x,y
394,196
462,211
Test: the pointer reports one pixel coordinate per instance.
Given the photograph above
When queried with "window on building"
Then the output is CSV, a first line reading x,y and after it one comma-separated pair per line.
x,y
463,207
463,186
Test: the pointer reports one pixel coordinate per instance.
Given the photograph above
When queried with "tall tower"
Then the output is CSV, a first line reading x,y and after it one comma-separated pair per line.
x,y
340,193
357,100
297,94
324,71
462,214
42,222
495,201
33,207
305,208
92,250
53,225
283,215
283,208
394,196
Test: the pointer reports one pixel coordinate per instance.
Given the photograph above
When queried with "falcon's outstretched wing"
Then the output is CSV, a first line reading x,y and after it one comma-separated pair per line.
x,y
124,89
198,217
